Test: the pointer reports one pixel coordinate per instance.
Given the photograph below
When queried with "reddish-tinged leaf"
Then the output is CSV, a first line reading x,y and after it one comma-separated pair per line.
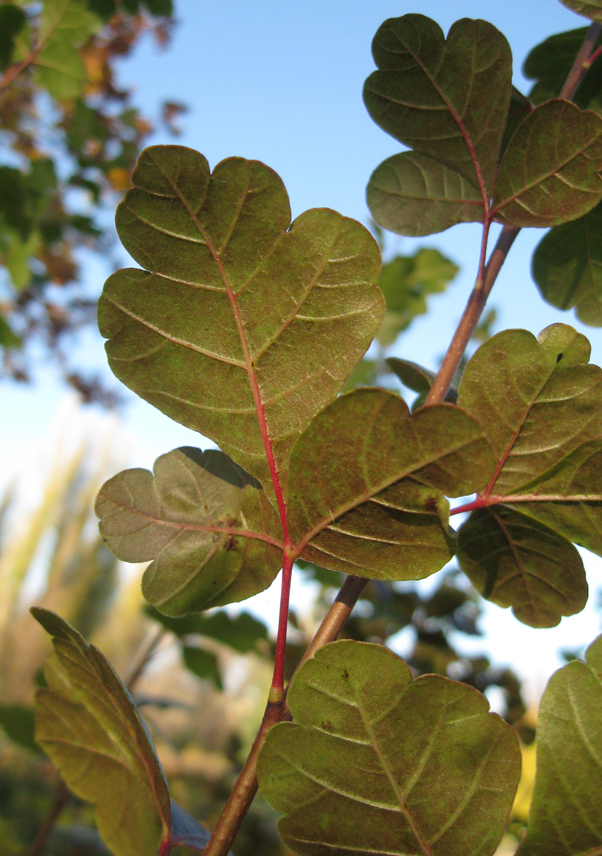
x,y
565,817
368,480
377,763
446,99
515,561
549,172
245,325
540,405
208,527
567,267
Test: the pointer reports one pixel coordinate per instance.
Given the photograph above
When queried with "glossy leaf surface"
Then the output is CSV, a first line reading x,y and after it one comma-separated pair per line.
x,y
368,483
565,816
567,267
381,764
88,724
515,561
245,324
549,172
207,526
589,8
539,403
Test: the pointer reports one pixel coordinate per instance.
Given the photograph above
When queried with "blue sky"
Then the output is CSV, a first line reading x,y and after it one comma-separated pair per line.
x,y
281,82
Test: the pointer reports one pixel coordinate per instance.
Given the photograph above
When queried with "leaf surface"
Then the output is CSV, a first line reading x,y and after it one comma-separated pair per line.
x,y
549,172
417,378
377,763
588,8
549,64
88,724
539,403
565,816
368,483
567,267
64,26
241,632
244,325
207,526
515,561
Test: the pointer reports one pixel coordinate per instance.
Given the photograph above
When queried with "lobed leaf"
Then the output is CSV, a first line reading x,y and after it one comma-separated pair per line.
x,y
367,484
588,8
207,526
378,763
567,267
565,814
244,325
540,406
515,561
549,172
89,726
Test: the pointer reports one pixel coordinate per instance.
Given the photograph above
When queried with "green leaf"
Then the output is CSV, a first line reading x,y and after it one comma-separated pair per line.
x,y
18,723
588,8
446,99
567,267
549,64
540,405
367,483
204,664
406,282
8,338
377,763
208,527
241,632
413,194
246,322
515,561
565,811
550,171
65,25
89,726
12,21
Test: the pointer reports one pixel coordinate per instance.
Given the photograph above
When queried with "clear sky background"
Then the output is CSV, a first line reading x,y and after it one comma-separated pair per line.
x,y
282,82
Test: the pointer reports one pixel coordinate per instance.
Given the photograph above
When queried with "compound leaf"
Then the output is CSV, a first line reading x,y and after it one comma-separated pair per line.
x,y
245,324
89,726
368,480
588,8
515,561
567,267
378,763
549,172
207,526
565,814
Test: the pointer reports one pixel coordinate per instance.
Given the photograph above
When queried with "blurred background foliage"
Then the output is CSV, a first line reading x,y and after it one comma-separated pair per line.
x,y
69,137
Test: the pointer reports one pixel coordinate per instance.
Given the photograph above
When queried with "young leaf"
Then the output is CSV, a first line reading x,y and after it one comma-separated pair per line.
x,y
448,100
378,763
567,267
88,724
367,482
208,527
245,324
515,561
550,171
540,405
565,811
588,8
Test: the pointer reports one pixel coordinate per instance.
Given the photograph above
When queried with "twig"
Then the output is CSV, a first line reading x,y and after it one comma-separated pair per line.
x,y
244,790
61,798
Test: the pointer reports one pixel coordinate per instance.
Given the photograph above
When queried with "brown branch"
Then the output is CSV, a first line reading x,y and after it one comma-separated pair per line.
x,y
61,799
244,790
